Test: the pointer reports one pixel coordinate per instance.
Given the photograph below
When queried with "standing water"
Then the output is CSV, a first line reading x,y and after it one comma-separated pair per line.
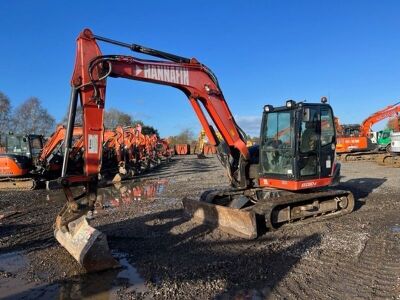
x,y
14,266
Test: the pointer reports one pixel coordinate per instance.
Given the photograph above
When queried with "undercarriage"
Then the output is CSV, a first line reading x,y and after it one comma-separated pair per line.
x,y
389,160
20,184
247,213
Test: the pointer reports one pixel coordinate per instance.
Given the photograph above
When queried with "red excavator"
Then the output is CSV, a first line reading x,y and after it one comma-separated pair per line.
x,y
354,141
111,151
19,154
282,181
27,160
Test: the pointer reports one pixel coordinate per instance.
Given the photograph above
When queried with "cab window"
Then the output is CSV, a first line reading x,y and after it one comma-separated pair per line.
x,y
327,127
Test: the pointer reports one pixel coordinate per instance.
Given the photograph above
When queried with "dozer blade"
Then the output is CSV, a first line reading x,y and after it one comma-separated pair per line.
x,y
87,245
231,220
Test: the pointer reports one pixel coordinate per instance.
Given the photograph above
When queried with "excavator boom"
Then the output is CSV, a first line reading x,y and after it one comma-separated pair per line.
x,y
88,83
194,79
387,112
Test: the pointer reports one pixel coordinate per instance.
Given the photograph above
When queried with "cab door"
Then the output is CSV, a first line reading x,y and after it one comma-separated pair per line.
x,y
316,140
327,141
309,143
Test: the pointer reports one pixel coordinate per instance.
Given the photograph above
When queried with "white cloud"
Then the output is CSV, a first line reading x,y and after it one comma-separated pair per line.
x,y
250,124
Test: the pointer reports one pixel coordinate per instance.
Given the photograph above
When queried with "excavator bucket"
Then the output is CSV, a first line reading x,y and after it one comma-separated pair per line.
x,y
231,220
87,245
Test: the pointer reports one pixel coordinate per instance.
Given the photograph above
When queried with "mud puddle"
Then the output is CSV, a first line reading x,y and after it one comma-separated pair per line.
x,y
128,193
103,285
395,228
12,262
123,194
13,286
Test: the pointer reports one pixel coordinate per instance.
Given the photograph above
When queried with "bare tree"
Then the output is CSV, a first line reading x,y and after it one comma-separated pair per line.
x,y
78,116
393,123
31,118
5,112
115,117
186,136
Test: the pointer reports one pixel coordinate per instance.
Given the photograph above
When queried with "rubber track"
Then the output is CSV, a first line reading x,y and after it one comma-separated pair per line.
x,y
266,207
389,161
360,156
17,184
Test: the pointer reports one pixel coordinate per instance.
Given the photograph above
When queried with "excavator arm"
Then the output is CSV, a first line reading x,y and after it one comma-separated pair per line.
x,y
197,82
55,141
88,83
52,142
387,112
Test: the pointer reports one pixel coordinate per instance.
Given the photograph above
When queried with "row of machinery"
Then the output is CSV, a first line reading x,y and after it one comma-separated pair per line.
x,y
360,142
27,161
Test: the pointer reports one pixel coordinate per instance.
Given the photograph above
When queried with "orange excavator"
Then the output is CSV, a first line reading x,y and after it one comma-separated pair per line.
x,y
354,141
136,145
27,160
19,155
282,181
134,151
164,149
111,150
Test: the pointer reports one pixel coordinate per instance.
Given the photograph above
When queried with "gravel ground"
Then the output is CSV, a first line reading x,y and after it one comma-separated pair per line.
x,y
165,255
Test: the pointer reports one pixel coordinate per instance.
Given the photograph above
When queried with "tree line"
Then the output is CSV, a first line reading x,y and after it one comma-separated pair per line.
x,y
30,117
113,118
186,136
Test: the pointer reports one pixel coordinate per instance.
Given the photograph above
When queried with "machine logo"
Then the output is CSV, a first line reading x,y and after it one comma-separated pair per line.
x,y
308,184
5,171
170,74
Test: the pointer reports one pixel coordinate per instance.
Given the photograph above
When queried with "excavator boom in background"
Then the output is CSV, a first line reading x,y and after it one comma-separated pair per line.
x,y
281,181
357,142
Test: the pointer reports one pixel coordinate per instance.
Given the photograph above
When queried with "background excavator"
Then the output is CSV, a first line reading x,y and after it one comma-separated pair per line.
x,y
27,160
19,154
202,143
359,141
281,181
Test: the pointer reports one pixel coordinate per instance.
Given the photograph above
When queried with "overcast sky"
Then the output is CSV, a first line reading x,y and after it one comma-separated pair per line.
x,y
263,52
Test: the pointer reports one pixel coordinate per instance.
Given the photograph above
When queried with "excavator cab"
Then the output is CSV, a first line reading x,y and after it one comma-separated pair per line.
x,y
297,142
24,145
18,157
18,153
